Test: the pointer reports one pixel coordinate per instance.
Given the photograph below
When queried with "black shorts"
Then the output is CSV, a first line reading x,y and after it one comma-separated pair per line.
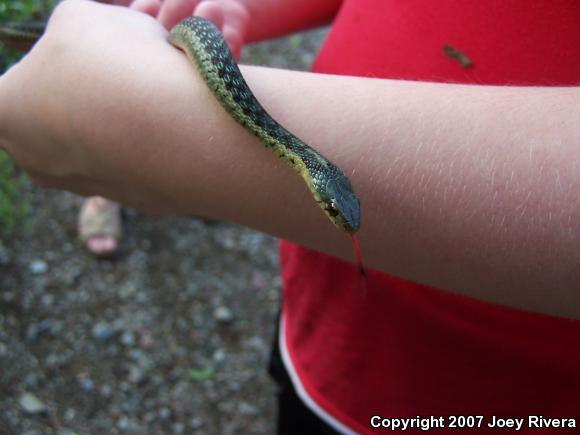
x,y
293,415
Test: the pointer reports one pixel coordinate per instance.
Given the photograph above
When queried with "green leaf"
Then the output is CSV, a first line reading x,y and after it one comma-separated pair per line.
x,y
200,375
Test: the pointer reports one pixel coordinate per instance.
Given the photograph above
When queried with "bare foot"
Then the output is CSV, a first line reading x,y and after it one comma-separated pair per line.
x,y
99,225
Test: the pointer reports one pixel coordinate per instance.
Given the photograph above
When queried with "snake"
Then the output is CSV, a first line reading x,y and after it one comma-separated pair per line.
x,y
207,50
205,46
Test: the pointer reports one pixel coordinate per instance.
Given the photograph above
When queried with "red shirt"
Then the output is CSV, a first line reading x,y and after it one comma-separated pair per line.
x,y
407,350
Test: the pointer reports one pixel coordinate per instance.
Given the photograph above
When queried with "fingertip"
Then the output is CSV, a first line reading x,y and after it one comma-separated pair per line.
x,y
211,11
149,7
234,40
173,11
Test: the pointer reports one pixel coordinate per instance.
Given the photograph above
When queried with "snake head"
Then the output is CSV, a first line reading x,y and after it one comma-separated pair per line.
x,y
342,205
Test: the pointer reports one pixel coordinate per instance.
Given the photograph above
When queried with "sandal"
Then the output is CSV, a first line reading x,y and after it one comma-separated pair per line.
x,y
99,226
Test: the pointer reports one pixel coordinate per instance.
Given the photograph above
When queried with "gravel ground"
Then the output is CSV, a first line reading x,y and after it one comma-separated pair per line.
x,y
173,336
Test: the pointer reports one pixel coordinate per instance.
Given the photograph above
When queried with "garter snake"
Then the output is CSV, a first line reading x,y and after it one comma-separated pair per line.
x,y
204,45
330,188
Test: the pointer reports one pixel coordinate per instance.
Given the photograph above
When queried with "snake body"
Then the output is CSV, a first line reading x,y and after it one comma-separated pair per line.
x,y
330,188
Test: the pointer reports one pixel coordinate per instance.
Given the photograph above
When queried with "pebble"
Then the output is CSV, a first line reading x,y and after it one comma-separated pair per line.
x,y
258,343
164,413
124,423
70,415
128,291
102,332
258,281
31,404
178,428
32,380
128,339
146,341
47,300
106,390
136,375
223,314
86,384
56,360
219,355
196,423
38,267
247,409
51,327
8,296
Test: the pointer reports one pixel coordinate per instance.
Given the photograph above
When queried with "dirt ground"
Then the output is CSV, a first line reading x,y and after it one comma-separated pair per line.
x,y
171,337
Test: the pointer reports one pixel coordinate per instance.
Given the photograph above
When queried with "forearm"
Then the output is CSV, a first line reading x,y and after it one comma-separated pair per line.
x,y
274,18
468,188
471,189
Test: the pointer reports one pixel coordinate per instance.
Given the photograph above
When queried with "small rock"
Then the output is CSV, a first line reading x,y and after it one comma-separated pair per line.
x,y
258,281
164,413
128,339
178,428
258,343
196,423
70,415
124,423
142,297
86,384
136,375
223,314
31,404
32,380
246,409
8,296
219,355
38,267
71,275
146,341
102,332
106,390
128,291
47,300
50,327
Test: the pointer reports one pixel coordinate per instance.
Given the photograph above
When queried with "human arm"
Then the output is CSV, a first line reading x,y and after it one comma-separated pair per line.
x,y
468,188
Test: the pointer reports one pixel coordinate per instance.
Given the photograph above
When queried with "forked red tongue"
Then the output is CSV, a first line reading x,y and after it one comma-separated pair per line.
x,y
359,261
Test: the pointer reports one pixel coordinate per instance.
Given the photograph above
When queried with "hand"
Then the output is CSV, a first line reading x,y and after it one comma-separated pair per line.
x,y
230,16
70,109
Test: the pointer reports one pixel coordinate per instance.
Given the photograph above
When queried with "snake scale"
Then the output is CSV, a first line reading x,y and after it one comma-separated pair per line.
x,y
330,188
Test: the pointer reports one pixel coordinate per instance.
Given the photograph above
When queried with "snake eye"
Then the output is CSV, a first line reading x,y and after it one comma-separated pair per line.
x,y
331,209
